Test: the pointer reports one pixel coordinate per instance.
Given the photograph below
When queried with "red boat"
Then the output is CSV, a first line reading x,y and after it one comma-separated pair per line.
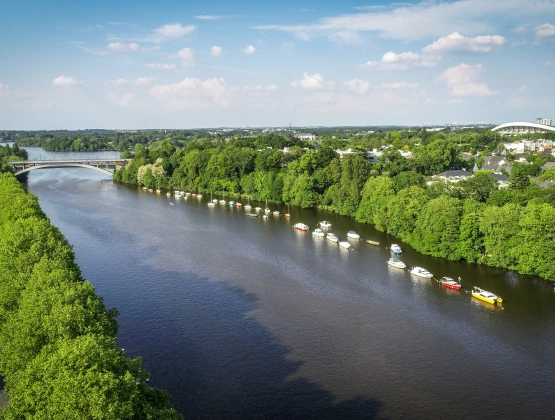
x,y
194,196
450,283
301,226
287,215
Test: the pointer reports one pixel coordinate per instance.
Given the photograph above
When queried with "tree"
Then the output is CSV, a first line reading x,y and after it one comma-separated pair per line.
x,y
479,187
548,174
471,239
519,179
536,241
437,228
375,195
404,209
500,226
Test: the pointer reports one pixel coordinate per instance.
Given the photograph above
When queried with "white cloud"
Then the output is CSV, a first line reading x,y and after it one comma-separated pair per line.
x,y
457,42
518,43
187,56
124,100
313,82
193,93
520,30
5,90
403,61
271,87
358,86
65,81
523,88
144,80
549,63
169,32
152,48
116,82
122,47
544,31
398,85
427,19
249,49
209,17
216,51
160,66
462,80
122,24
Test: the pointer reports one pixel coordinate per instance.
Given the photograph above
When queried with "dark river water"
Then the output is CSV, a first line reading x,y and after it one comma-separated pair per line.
x,y
240,317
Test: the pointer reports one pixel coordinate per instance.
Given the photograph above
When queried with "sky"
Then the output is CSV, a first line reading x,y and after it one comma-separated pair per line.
x,y
176,64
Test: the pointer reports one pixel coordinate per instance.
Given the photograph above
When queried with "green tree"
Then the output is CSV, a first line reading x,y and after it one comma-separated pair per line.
x,y
437,228
500,226
471,239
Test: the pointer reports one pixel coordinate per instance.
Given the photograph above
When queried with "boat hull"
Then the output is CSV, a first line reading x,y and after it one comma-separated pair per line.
x,y
451,286
483,298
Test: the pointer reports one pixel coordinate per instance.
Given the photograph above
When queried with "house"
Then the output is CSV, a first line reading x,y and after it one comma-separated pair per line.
x,y
374,155
342,153
543,184
496,164
453,176
548,165
501,179
467,156
521,158
306,136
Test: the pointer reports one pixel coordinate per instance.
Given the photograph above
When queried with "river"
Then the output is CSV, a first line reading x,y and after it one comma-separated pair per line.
x,y
240,317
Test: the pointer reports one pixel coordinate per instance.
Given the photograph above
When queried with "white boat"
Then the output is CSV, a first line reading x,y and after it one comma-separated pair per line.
x,y
331,237
251,214
301,226
215,200
168,194
257,208
345,244
325,224
211,204
421,272
267,210
265,216
177,197
318,232
199,195
239,205
222,201
248,207
397,263
353,235
396,249
231,203
187,194
276,213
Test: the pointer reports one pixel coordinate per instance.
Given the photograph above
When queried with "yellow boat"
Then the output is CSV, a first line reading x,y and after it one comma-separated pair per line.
x,y
486,296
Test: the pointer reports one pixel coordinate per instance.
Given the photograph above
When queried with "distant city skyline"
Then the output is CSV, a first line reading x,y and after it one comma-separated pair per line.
x,y
135,65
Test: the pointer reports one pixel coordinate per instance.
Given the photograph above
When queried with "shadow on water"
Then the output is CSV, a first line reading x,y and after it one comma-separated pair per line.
x,y
227,364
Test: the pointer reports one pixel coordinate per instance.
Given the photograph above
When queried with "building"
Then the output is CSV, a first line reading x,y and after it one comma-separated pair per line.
x,y
306,136
453,176
514,128
496,164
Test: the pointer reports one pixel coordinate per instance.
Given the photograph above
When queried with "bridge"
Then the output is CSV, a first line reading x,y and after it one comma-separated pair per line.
x,y
103,165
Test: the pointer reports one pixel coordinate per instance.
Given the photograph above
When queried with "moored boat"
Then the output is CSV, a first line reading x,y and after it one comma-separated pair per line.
x,y
168,194
248,207
215,200
222,201
158,191
318,232
211,204
421,272
396,249
275,213
150,190
231,203
199,195
345,244
450,283
485,296
301,226
145,188
369,242
331,237
251,214
194,195
353,235
257,208
265,216
396,262
239,205
325,224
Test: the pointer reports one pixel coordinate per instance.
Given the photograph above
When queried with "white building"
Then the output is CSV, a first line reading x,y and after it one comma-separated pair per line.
x,y
306,136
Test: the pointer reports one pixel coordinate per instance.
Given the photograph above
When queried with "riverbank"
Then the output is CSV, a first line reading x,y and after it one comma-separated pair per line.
x,y
58,352
472,220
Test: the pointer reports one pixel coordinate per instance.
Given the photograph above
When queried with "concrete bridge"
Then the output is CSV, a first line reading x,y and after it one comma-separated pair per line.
x,y
104,165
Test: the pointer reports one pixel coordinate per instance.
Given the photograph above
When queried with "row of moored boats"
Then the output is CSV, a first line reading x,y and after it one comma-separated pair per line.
x,y
319,233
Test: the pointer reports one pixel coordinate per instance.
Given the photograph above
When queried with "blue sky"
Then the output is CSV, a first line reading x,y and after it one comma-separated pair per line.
x,y
173,64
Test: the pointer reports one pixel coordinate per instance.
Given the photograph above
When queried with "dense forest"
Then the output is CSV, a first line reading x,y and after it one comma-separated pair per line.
x,y
472,220
58,353
471,140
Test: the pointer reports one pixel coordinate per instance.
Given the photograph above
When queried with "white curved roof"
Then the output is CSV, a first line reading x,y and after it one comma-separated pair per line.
x,y
524,124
